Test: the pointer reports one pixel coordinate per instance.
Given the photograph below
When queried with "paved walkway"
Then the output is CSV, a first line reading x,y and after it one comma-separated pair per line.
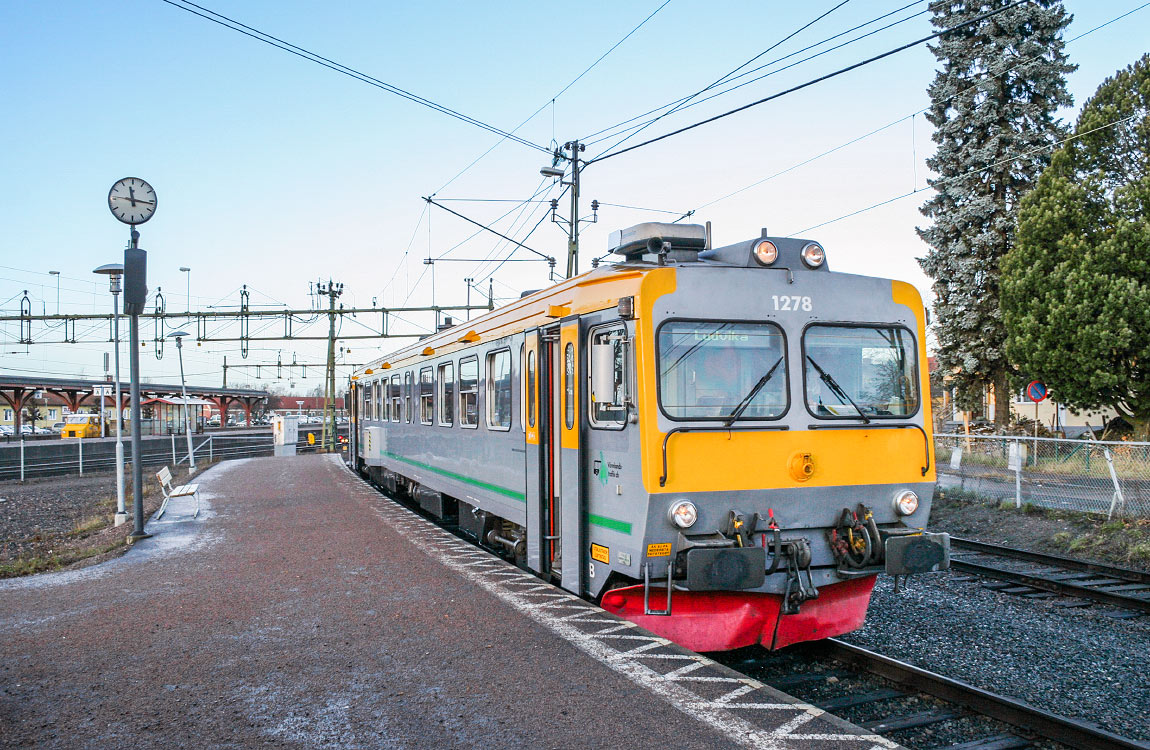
x,y
304,609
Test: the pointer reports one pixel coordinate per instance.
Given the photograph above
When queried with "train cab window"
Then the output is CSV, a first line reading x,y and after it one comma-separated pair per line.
x,y
608,377
569,386
860,371
469,392
499,390
395,399
723,370
408,411
530,388
426,396
446,394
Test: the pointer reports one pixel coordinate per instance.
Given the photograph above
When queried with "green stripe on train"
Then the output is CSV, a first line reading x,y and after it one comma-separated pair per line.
x,y
604,521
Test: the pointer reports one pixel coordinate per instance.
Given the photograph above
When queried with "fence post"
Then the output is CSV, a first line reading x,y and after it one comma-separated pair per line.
x,y
211,446
80,441
1014,461
173,450
1118,499
21,459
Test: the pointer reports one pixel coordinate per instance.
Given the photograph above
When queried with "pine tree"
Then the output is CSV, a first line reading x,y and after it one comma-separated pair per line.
x,y
1076,287
993,106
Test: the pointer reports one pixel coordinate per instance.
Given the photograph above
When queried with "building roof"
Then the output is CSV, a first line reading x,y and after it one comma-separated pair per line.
x,y
8,382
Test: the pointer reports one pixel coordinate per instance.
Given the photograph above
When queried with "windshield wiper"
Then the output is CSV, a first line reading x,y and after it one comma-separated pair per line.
x,y
836,389
751,396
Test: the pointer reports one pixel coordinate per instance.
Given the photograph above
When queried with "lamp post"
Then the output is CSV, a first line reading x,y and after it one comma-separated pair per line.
x,y
114,271
57,275
179,337
188,271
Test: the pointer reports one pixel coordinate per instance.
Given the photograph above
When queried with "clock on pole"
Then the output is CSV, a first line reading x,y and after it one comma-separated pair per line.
x,y
132,200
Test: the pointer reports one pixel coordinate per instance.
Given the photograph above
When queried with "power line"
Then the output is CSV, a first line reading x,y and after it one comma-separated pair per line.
x,y
261,36
551,101
723,78
812,82
765,65
945,180
489,229
892,123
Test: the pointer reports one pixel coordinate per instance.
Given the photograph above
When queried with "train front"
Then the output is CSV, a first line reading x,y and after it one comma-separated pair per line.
x,y
787,447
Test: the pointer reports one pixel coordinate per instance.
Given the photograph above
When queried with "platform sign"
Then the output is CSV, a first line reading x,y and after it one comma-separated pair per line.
x,y
102,390
1036,391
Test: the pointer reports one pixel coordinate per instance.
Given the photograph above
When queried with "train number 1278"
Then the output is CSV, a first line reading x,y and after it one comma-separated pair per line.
x,y
784,302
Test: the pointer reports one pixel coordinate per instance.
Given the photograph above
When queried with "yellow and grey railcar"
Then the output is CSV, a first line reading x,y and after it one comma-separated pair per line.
x,y
725,445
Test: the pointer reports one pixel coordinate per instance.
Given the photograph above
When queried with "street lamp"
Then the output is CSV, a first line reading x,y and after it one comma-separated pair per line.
x,y
179,337
188,271
114,271
57,275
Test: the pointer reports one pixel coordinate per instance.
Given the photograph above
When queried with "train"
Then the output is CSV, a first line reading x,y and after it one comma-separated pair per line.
x,y
724,445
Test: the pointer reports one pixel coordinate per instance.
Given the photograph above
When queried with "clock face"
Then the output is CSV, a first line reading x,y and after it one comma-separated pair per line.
x,y
132,200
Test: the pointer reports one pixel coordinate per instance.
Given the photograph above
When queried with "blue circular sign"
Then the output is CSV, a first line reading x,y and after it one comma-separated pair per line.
x,y
1037,391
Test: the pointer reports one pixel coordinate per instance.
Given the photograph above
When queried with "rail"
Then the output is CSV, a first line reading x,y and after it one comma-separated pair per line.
x,y
1122,582
1063,730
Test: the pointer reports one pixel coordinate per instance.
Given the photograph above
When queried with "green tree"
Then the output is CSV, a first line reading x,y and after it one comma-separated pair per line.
x,y
993,105
1076,287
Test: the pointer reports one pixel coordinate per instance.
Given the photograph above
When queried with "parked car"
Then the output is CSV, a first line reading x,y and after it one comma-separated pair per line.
x,y
213,422
7,430
57,427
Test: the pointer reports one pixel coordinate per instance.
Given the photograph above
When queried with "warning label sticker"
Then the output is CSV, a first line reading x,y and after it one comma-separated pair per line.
x,y
659,550
600,553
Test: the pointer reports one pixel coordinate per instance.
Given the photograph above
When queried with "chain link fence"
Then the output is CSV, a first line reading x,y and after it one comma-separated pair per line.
x,y
1110,477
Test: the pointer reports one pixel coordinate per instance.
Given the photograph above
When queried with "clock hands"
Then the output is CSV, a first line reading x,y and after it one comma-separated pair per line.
x,y
132,199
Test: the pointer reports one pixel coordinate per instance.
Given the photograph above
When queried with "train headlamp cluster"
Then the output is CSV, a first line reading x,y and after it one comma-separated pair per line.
x,y
683,514
766,252
813,254
905,502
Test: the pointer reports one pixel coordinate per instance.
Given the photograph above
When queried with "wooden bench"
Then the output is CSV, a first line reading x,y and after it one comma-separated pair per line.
x,y
164,476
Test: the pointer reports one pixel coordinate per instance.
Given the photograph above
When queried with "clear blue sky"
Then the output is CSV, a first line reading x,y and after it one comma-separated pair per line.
x,y
272,171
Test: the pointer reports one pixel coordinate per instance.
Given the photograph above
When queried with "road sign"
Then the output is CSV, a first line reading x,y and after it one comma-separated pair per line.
x,y
102,390
1036,391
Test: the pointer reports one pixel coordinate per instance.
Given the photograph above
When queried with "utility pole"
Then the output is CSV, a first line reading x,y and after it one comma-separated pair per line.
x,y
573,238
575,148
327,437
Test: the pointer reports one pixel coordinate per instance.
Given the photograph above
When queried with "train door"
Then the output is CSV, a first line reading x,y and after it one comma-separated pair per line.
x,y
555,513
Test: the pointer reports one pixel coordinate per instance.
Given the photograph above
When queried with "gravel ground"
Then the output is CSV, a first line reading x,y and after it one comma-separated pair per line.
x,y
54,505
1080,663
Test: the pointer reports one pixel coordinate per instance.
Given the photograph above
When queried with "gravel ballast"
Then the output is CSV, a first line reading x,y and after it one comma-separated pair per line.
x,y
1080,663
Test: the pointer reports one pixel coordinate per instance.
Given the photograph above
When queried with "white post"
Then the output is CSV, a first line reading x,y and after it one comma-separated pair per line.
x,y
21,459
211,445
1118,499
1014,461
81,444
173,450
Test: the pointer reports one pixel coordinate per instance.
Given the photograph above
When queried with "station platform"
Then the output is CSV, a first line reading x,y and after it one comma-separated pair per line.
x,y
303,608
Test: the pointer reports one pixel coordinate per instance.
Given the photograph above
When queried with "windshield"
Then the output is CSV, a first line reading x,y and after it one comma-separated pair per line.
x,y
860,371
708,369
79,419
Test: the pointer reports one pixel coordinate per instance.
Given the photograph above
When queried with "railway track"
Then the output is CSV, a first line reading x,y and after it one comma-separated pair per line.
x,y
1045,576
918,708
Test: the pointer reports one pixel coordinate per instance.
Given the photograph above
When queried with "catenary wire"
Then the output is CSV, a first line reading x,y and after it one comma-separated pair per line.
x,y
254,33
811,82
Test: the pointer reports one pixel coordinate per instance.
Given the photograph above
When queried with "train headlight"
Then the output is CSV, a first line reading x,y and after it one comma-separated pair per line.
x,y
813,254
905,502
766,252
683,514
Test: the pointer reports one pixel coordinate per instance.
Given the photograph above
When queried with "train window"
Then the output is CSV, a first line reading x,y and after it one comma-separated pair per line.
x,y
721,370
377,393
530,388
469,392
408,411
569,385
446,394
499,390
395,396
426,396
363,397
853,371
608,363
